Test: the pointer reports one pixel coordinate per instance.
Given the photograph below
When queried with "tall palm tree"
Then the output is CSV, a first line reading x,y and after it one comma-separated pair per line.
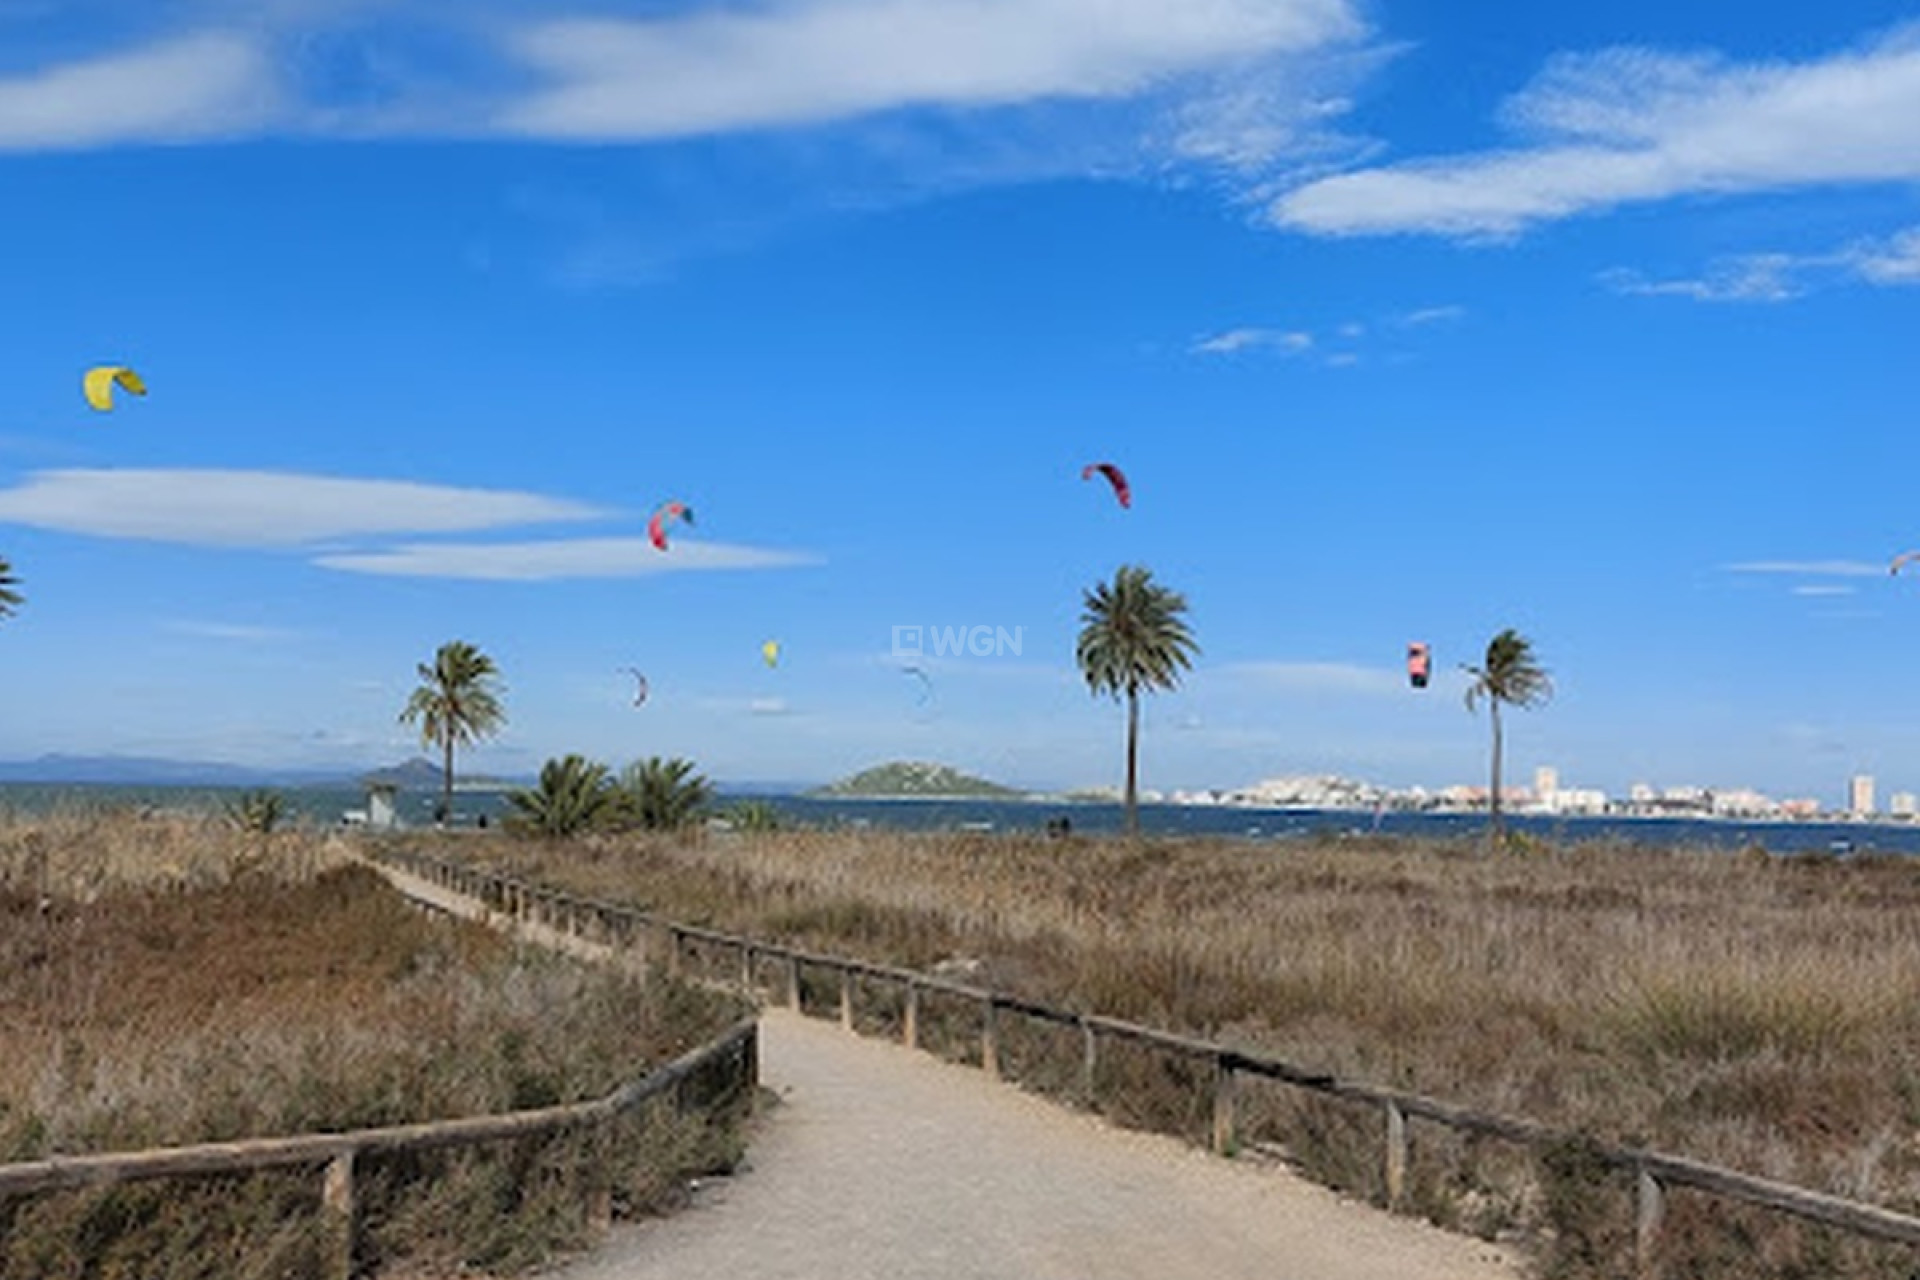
x,y
10,600
458,701
1133,640
1510,674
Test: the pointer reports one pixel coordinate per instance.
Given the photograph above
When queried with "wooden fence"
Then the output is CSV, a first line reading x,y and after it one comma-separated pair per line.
x,y
1653,1173
727,1067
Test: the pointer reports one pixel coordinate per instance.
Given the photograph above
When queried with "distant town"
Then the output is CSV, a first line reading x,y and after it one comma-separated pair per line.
x,y
1547,796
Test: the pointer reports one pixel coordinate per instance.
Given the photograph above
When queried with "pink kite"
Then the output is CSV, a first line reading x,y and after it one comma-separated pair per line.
x,y
657,527
1117,480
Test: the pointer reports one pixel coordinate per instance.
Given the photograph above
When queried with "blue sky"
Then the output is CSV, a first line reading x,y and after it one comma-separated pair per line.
x,y
1406,324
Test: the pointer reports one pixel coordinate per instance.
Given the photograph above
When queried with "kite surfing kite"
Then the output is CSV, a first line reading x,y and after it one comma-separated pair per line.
x,y
1114,478
770,653
100,381
657,527
1419,664
640,692
926,683
1902,558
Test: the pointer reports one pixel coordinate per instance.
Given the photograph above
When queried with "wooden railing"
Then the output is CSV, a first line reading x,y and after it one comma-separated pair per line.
x,y
1653,1172
730,1061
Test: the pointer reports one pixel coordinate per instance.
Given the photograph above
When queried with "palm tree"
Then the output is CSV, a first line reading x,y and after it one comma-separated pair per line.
x,y
663,795
1133,639
458,701
1511,674
573,794
10,600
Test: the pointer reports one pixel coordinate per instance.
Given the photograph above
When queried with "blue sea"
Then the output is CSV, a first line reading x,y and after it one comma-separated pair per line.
x,y
327,807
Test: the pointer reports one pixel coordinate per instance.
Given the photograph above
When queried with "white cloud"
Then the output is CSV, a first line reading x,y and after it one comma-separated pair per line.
x,y
1823,589
1895,260
1288,342
193,88
237,631
1765,277
263,508
1432,315
1812,568
1344,678
1633,125
811,61
1780,277
559,558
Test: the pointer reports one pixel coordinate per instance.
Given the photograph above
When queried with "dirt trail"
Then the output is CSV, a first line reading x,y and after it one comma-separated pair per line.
x,y
885,1164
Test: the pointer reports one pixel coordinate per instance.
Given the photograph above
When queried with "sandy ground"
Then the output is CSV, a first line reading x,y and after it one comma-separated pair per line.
x,y
884,1163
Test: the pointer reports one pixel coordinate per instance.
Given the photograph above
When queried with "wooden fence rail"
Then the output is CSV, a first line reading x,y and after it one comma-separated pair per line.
x,y
1652,1172
734,1053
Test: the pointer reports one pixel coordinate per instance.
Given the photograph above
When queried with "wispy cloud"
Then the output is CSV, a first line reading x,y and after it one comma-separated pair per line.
x,y
1824,589
265,508
1339,352
240,632
1812,568
1431,315
1633,125
1291,342
813,61
1768,277
198,87
557,558
1895,260
1341,678
1780,277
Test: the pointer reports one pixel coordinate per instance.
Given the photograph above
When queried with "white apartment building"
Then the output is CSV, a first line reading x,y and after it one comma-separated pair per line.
x,y
1860,794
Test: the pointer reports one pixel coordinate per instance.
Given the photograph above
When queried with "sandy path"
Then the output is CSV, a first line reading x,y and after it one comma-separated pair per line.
x,y
885,1164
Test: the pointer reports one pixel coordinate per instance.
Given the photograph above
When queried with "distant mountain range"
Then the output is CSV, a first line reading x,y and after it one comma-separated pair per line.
x,y
148,771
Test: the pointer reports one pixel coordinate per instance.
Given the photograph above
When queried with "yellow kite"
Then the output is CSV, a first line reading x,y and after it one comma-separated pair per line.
x,y
771,652
99,382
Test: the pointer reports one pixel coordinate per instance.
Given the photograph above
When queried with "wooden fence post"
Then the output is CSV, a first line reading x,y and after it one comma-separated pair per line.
x,y
336,1202
846,999
793,983
990,1039
1223,1105
1089,1060
910,1017
1396,1161
746,967
1650,1206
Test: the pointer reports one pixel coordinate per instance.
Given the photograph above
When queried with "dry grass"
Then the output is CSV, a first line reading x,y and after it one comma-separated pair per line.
x,y
1758,1012
165,981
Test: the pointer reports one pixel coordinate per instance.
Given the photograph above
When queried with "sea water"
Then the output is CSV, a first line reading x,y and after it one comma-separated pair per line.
x,y
328,806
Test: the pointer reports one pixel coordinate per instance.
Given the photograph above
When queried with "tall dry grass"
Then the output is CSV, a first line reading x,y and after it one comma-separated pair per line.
x,y
1754,1011
167,980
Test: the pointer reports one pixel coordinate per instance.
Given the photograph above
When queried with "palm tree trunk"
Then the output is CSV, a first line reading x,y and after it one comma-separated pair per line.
x,y
1133,762
1493,796
446,783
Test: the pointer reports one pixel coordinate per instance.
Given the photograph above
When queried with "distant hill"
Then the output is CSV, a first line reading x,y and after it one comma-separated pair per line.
x,y
915,778
421,774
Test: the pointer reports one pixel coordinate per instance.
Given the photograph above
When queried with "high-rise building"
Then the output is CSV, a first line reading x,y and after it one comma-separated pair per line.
x,y
1546,781
1903,804
1860,794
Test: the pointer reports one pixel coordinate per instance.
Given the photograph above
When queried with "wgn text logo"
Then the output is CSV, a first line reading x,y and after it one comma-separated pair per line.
x,y
914,640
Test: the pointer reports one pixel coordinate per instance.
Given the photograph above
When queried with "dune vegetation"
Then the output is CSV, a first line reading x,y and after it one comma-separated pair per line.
x,y
1750,1010
176,979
